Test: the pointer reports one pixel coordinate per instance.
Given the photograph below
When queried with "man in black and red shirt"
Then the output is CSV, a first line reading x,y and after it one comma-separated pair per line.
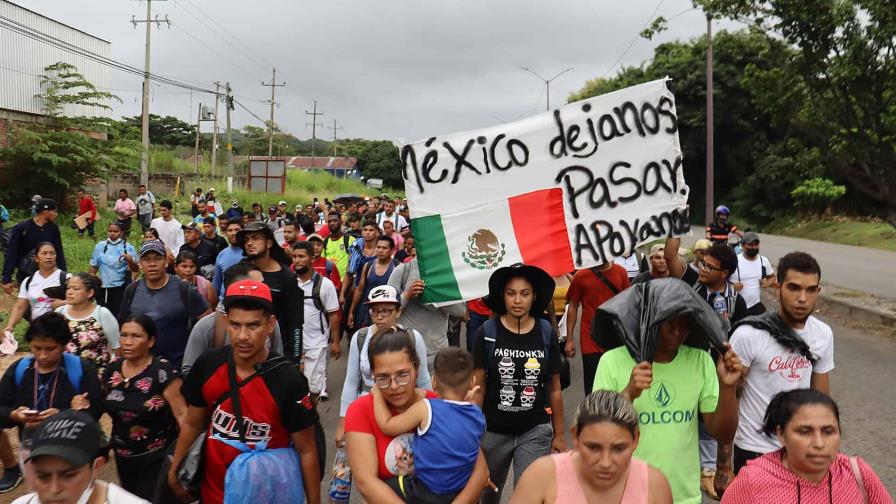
x,y
275,403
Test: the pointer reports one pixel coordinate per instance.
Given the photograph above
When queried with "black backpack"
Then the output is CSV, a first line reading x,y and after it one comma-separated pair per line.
x,y
128,297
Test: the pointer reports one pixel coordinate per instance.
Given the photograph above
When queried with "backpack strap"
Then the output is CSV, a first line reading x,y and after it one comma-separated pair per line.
x,y
185,295
21,367
606,281
489,333
128,297
345,241
328,267
860,481
74,370
362,337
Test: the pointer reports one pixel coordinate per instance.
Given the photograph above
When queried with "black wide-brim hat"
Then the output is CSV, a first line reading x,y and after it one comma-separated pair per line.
x,y
254,227
542,283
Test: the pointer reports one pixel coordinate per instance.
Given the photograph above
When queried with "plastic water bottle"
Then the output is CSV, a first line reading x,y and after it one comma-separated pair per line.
x,y
341,483
720,305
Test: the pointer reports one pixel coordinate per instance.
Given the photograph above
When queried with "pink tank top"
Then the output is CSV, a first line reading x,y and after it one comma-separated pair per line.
x,y
569,491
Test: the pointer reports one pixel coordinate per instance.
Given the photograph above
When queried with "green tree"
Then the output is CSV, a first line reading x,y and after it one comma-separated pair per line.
x,y
69,151
253,141
743,132
165,130
376,159
837,88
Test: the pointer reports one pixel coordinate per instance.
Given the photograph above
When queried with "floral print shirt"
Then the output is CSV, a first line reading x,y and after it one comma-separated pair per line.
x,y
142,420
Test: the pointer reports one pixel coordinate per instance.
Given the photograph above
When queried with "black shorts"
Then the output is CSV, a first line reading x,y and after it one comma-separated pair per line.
x,y
741,457
410,489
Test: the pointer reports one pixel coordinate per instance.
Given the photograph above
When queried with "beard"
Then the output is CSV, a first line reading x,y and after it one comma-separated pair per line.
x,y
302,270
254,256
751,252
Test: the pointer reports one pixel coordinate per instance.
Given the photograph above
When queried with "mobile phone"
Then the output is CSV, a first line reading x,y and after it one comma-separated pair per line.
x,y
30,412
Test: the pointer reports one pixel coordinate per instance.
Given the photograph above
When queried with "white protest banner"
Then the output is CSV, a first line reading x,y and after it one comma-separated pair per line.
x,y
563,190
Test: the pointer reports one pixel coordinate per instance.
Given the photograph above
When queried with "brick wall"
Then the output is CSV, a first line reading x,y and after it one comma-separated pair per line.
x,y
159,183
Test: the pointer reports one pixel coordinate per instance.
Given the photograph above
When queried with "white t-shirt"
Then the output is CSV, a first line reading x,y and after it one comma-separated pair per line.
x,y
170,232
316,329
396,218
114,495
772,369
40,302
630,263
749,273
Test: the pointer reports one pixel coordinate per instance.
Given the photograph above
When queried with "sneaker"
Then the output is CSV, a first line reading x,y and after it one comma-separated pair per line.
x,y
324,395
12,476
707,477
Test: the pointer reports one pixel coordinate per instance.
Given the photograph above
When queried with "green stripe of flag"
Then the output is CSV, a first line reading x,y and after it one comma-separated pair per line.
x,y
434,260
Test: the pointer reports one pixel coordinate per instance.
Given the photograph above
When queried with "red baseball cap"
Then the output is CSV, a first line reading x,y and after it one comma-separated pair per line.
x,y
249,290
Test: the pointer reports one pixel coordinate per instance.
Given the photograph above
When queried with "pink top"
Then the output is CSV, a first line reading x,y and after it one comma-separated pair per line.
x,y
202,285
766,479
569,490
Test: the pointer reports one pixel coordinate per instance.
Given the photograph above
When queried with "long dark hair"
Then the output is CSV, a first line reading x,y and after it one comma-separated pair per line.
x,y
148,325
393,340
785,404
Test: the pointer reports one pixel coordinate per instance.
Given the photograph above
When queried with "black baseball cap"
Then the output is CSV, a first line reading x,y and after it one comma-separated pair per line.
x,y
71,435
45,204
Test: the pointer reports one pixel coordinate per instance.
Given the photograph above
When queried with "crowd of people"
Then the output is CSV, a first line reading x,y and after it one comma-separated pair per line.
x,y
207,343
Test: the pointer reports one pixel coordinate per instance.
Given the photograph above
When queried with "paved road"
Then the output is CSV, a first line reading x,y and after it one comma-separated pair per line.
x,y
864,368
858,268
863,374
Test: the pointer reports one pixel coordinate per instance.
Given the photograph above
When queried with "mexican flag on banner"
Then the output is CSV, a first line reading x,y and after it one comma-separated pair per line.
x,y
566,189
529,228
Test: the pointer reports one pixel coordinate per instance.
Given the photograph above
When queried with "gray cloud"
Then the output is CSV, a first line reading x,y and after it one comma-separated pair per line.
x,y
383,69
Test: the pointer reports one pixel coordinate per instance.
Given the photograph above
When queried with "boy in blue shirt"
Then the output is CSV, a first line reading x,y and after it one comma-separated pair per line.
x,y
449,431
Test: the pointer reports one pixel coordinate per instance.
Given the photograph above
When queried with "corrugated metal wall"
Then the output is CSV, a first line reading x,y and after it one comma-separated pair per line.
x,y
22,61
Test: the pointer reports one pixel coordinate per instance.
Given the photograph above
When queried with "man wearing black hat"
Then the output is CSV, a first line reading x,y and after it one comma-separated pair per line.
x,y
261,249
65,458
170,302
24,238
205,251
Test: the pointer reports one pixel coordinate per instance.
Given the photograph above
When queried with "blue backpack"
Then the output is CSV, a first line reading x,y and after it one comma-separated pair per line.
x,y
70,362
261,475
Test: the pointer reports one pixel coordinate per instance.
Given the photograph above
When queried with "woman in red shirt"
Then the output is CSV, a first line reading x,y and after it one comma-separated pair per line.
x,y
375,457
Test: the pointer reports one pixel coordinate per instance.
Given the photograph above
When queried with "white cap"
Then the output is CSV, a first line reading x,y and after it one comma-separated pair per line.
x,y
383,294
281,202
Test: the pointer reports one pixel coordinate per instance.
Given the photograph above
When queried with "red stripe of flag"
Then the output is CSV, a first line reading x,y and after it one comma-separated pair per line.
x,y
539,223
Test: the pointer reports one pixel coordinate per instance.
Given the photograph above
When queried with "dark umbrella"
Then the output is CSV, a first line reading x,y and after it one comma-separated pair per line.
x,y
633,318
348,199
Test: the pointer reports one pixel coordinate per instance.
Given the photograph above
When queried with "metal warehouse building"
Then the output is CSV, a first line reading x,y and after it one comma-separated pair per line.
x,y
26,47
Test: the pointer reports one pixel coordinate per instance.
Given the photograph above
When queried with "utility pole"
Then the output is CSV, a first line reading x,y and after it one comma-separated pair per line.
x,y
547,82
314,124
228,106
144,158
335,128
215,131
710,175
198,124
273,85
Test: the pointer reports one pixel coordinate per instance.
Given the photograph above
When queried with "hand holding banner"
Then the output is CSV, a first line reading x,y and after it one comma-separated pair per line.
x,y
567,189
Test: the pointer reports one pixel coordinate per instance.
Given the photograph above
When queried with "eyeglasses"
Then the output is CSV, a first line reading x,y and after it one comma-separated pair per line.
x,y
382,312
401,379
707,267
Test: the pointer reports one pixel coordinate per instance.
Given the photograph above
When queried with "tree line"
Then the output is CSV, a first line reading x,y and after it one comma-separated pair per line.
x,y
805,106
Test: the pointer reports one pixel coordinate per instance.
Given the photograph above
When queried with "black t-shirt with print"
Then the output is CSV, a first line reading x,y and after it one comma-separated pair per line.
x,y
516,383
273,406
142,420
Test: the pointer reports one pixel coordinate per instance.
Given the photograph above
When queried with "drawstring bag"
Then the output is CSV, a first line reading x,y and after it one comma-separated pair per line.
x,y
261,475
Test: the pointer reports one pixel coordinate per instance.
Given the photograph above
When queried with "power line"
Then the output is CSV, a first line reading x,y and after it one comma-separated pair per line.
x,y
248,52
637,36
253,114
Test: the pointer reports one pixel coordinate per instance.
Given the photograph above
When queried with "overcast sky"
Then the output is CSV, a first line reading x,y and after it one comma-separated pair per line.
x,y
385,69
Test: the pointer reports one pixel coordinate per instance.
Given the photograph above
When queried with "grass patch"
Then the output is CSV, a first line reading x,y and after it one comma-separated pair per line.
x,y
871,233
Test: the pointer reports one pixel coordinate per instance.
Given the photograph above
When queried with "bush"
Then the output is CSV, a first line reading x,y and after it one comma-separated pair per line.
x,y
817,194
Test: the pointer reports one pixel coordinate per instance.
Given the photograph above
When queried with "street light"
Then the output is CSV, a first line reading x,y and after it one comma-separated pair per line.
x,y
547,82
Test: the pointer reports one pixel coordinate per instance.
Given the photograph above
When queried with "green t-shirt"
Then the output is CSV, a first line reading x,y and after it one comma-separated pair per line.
x,y
667,412
335,249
